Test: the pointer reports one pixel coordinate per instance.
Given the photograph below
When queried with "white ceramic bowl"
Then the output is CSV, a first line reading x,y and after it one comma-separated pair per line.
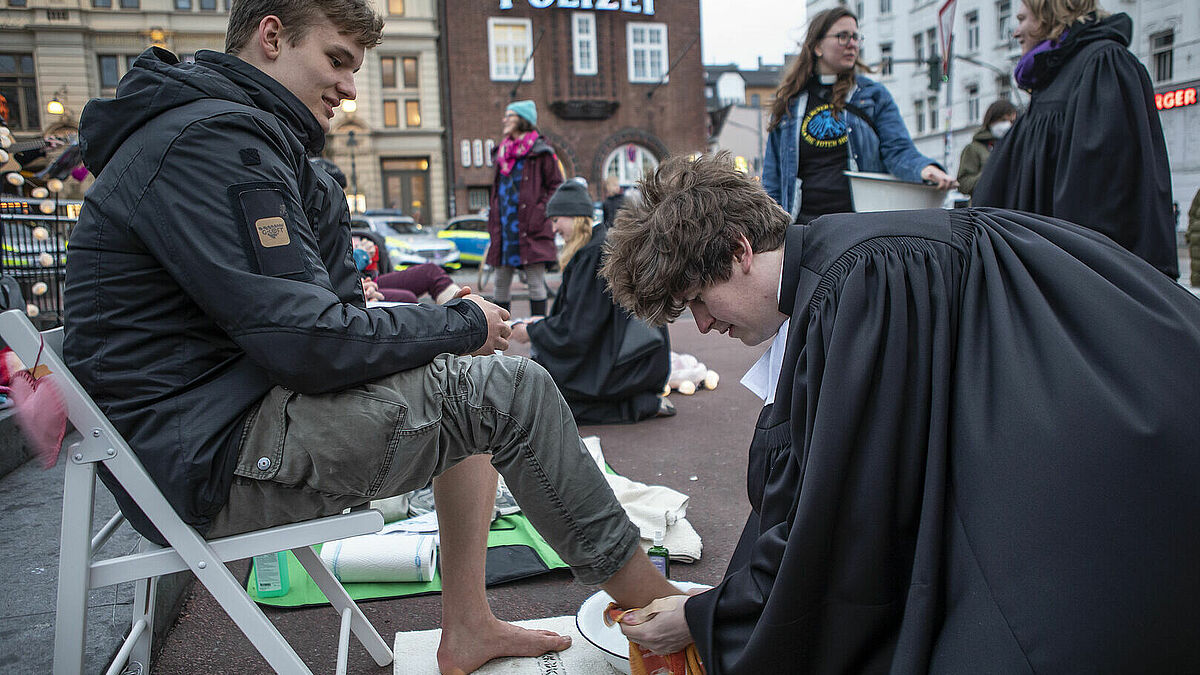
x,y
885,192
609,639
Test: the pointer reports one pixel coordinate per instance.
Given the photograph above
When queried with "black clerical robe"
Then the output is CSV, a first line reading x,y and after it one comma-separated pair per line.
x,y
1090,148
580,344
982,458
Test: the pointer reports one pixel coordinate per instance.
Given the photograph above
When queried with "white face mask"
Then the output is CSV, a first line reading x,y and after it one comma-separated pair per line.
x,y
1000,128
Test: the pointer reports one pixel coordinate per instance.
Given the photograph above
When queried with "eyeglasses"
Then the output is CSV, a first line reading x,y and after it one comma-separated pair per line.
x,y
844,38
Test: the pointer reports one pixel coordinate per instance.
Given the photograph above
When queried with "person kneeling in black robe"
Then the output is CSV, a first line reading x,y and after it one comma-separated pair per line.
x,y
978,451
609,366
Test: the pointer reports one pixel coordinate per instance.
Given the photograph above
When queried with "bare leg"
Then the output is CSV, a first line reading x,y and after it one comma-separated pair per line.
x,y
638,582
471,634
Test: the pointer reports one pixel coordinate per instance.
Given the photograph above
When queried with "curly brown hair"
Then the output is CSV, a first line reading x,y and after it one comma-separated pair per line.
x,y
681,236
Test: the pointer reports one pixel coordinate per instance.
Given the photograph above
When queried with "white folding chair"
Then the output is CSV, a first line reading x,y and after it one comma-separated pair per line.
x,y
79,571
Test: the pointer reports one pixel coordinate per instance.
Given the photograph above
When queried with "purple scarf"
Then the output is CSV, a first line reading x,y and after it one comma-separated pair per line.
x,y
1027,77
512,150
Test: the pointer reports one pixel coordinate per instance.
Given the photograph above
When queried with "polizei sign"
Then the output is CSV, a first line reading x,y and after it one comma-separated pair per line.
x,y
631,6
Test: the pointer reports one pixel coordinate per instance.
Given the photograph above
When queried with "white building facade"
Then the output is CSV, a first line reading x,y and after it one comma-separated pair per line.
x,y
901,35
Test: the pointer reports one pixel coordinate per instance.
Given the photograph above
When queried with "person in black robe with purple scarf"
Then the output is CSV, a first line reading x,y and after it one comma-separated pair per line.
x,y
1090,148
978,451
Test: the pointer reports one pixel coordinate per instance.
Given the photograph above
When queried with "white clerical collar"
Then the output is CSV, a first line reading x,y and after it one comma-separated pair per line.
x,y
763,376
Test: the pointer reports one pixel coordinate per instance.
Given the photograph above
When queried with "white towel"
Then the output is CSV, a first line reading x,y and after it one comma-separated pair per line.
x,y
391,557
657,508
653,507
416,654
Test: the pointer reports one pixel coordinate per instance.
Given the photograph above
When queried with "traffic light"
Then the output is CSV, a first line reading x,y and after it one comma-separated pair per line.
x,y
935,73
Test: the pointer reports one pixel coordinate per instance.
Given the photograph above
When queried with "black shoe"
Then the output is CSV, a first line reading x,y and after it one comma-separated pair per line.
x,y
665,408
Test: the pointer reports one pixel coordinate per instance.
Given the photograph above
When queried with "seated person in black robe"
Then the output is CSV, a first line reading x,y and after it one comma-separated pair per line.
x,y
609,366
978,452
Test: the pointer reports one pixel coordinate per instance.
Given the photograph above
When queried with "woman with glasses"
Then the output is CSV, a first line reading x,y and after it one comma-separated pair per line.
x,y
1090,148
827,118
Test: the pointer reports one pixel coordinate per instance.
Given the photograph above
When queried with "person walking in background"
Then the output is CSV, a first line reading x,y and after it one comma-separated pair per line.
x,y
527,173
1193,238
827,118
609,366
614,199
996,122
1090,147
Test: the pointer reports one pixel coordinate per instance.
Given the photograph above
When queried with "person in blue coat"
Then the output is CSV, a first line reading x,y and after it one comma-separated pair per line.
x,y
827,118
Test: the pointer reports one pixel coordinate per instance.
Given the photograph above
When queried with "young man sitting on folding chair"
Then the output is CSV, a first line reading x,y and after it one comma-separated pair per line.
x,y
215,315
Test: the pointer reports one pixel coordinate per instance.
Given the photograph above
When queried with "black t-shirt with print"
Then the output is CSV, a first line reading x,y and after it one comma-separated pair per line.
x,y
823,146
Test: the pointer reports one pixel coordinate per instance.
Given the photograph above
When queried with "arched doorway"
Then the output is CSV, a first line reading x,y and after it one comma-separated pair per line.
x,y
628,163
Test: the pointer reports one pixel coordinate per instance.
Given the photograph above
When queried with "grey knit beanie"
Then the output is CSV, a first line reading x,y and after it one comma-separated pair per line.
x,y
571,199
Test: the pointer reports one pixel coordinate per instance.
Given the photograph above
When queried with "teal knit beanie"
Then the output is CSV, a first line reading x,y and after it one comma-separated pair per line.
x,y
525,109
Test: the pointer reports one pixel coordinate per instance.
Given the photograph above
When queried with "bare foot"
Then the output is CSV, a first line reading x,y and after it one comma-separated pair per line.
x,y
466,648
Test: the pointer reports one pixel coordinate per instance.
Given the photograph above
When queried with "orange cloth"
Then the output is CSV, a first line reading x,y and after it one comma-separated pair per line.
x,y
643,662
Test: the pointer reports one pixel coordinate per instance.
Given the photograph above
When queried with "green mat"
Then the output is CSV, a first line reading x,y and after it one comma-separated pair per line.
x,y
515,551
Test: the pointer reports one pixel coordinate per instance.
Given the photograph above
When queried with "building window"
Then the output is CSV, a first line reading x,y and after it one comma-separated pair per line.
x,y
183,5
103,4
1004,87
931,103
885,7
859,9
112,67
510,42
973,102
477,198
208,5
583,40
755,100
973,31
489,151
647,52
396,7
1003,18
412,114
391,113
885,59
131,4
919,47
18,84
931,40
629,163
17,3
409,64
387,70
919,109
1163,47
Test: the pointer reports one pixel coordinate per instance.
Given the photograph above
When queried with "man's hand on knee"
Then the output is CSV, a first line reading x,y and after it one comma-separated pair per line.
x,y
498,330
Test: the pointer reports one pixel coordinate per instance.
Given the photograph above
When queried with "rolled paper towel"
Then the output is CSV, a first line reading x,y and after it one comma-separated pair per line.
x,y
395,557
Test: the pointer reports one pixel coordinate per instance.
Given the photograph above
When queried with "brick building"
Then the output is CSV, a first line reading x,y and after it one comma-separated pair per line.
x,y
618,84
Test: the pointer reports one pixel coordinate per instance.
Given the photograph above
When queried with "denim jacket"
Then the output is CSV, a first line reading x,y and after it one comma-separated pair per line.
x,y
890,151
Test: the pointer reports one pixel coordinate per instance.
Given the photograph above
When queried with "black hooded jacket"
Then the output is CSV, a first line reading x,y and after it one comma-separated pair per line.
x,y
212,262
1090,149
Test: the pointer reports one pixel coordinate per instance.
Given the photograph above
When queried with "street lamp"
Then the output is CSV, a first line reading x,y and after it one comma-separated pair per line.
x,y
351,143
55,105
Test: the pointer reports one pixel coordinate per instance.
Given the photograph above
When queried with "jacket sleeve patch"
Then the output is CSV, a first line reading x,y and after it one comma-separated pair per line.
x,y
264,211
